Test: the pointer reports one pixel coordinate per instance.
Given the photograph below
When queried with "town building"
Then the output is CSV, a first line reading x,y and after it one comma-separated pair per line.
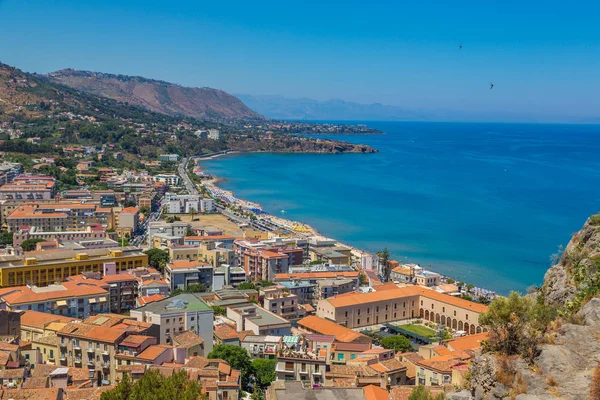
x,y
175,229
59,216
180,274
182,203
320,326
391,303
176,314
169,157
9,171
72,299
258,320
129,219
94,231
45,268
214,134
169,179
261,346
29,188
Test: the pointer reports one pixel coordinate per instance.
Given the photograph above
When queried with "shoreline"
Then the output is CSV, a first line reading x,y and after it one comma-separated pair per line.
x,y
298,228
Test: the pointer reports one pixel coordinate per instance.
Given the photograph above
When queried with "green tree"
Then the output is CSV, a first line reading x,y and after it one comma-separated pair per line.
x,y
191,288
450,280
246,285
218,310
264,371
29,244
157,258
6,238
236,356
421,393
397,343
516,324
470,286
363,279
152,385
384,258
145,210
265,283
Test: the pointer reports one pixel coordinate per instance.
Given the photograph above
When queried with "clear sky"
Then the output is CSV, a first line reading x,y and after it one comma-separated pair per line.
x,y
543,57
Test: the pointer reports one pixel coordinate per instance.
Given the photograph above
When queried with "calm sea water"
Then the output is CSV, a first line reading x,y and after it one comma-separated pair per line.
x,y
487,203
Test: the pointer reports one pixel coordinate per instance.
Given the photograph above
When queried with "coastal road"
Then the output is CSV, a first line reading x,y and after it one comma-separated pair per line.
x,y
189,185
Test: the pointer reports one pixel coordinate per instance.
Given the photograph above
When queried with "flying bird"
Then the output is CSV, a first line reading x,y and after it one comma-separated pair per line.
x,y
491,86
460,47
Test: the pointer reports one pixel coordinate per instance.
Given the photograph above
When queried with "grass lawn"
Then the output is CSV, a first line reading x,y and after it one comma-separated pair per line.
x,y
419,330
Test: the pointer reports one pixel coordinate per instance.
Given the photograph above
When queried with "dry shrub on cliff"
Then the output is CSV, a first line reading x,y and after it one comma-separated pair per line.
x,y
595,385
507,369
519,386
517,325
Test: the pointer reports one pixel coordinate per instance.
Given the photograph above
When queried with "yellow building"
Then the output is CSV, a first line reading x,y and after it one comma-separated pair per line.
x,y
45,268
40,329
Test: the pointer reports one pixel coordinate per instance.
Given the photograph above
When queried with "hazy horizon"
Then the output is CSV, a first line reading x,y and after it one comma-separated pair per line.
x,y
543,61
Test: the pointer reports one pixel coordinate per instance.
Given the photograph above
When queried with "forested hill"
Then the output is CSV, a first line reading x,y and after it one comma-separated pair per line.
x,y
159,96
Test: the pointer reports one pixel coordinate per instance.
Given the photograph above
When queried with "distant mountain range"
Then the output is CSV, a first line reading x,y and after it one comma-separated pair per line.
x,y
158,96
279,107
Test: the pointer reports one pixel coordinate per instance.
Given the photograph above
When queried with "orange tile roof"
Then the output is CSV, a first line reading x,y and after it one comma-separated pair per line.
x,y
187,339
373,392
150,299
38,319
88,331
442,350
365,298
225,332
326,327
443,363
272,254
23,294
469,342
118,278
153,352
130,210
134,340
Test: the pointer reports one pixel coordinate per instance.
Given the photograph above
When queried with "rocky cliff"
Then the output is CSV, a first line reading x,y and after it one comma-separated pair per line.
x,y
158,96
570,351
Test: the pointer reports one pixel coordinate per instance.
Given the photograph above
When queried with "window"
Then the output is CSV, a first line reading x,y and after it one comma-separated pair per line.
x,y
386,307
346,314
421,302
358,312
367,320
455,313
377,309
368,310
168,320
289,366
394,315
432,306
467,316
358,321
168,330
443,309
316,368
180,319
404,313
395,305
404,305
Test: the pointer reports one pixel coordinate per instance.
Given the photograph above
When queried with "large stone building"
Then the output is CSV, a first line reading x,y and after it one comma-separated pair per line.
x,y
59,216
391,303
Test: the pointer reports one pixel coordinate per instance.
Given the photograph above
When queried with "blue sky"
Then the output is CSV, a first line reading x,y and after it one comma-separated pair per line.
x,y
544,57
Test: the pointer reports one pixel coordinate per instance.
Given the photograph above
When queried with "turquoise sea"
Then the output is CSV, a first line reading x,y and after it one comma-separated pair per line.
x,y
487,203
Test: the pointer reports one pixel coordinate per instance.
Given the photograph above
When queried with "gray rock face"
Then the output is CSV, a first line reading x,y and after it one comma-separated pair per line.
x,y
463,395
483,373
591,312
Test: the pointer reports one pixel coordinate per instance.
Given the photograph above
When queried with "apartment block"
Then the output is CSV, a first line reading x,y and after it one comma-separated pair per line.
x,y
29,188
181,274
45,268
72,299
59,217
179,313
94,231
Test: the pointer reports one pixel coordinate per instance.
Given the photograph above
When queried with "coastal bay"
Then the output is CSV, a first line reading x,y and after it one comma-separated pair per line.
x,y
487,203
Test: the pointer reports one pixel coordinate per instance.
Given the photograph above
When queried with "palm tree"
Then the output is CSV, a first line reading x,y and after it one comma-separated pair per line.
x,y
384,258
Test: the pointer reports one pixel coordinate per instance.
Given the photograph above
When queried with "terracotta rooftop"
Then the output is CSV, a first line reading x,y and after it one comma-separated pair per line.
x,y
65,290
187,339
401,292
373,392
326,327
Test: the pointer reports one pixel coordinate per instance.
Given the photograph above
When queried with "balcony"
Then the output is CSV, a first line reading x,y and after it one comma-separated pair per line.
x,y
105,353
77,360
284,370
90,350
77,347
